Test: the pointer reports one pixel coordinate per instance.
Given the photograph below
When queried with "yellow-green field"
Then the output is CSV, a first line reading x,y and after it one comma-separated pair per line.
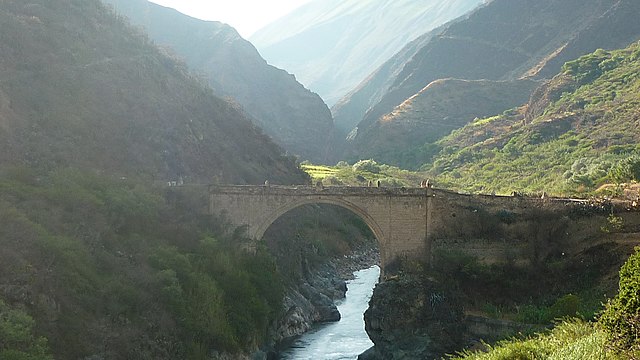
x,y
361,173
319,172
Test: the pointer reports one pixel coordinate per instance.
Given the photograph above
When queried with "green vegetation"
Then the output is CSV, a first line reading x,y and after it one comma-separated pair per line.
x,y
82,88
363,172
222,297
570,340
117,268
576,136
319,172
532,294
17,339
614,336
621,319
408,136
583,135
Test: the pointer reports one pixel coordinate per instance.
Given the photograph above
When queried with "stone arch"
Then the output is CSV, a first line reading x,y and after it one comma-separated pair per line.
x,y
258,231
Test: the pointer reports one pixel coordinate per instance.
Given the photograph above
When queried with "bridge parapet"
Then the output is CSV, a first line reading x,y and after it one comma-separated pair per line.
x,y
305,190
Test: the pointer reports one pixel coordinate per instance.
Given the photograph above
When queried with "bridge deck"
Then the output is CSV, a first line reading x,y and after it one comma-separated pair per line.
x,y
306,190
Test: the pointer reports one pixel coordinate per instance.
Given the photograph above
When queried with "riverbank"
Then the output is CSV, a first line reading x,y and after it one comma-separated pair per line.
x,y
313,301
347,338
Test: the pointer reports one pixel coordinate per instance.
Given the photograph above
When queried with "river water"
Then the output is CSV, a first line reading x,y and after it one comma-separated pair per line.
x,y
345,339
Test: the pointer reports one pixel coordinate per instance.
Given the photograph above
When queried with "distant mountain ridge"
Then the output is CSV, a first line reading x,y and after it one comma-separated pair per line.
x,y
502,40
80,88
293,116
331,45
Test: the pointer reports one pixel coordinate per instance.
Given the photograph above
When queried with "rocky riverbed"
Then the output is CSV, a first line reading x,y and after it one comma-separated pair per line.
x,y
313,300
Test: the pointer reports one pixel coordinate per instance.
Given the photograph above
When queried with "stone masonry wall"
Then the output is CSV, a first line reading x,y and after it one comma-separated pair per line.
x,y
418,223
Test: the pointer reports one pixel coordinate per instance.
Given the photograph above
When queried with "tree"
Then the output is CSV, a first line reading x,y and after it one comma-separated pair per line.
x,y
621,317
626,170
367,165
17,339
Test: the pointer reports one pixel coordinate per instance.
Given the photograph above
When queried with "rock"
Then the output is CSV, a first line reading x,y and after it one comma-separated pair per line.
x,y
414,318
327,310
370,354
300,314
312,301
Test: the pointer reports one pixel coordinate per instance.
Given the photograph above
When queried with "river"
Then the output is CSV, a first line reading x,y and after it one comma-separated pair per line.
x,y
345,339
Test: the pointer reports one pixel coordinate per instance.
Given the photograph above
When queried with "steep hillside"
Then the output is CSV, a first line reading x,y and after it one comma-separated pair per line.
x,y
579,131
78,88
348,112
332,45
505,39
408,134
293,116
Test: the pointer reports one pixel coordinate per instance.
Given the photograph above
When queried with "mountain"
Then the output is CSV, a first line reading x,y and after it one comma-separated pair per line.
x,y
293,116
502,40
579,131
406,136
80,88
332,45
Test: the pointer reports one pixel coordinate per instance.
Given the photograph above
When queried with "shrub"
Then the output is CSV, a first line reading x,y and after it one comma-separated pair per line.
x,y
331,180
367,165
621,317
625,170
566,306
17,339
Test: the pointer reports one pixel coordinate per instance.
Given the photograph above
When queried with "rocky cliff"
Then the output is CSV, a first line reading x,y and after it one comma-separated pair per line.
x,y
413,318
293,116
312,300
479,286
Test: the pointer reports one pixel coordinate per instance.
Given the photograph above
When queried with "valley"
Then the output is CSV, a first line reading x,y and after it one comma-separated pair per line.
x,y
170,190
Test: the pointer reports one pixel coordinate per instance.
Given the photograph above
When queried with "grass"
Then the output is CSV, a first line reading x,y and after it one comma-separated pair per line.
x,y
319,172
570,340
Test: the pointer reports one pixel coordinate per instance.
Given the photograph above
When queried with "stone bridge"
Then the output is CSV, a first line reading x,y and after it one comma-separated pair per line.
x,y
397,217
416,223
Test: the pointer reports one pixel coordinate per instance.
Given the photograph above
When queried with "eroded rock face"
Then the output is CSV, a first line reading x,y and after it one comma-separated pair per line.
x,y
413,318
310,303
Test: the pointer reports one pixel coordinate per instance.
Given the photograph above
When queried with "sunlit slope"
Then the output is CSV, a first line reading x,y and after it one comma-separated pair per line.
x,y
579,131
407,135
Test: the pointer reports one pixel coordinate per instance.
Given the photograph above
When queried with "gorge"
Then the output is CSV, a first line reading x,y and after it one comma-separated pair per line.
x,y
345,339
155,202
475,244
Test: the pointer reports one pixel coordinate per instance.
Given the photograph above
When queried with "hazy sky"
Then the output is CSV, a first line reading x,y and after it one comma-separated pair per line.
x,y
246,16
